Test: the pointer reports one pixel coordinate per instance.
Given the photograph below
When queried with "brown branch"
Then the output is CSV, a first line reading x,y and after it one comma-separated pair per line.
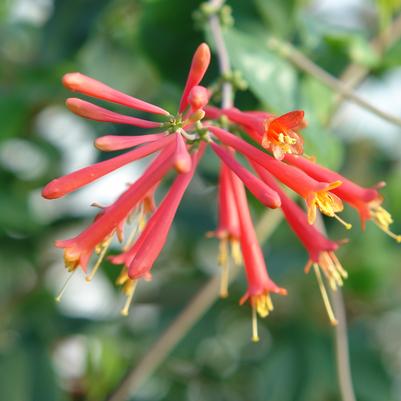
x,y
354,74
292,54
194,310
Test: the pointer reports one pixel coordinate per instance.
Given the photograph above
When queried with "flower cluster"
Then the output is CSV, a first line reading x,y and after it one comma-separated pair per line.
x,y
178,142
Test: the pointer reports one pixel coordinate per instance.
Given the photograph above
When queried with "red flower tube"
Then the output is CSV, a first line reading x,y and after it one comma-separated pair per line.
x,y
78,250
260,286
71,182
228,230
110,143
366,200
259,189
92,112
81,83
200,63
320,248
315,193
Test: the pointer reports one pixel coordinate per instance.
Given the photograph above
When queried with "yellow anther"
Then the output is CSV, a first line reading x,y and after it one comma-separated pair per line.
x,y
382,218
129,290
325,296
347,226
236,252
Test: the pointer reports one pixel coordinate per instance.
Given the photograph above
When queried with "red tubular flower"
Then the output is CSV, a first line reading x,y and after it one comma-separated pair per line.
x,y
315,193
78,250
73,181
110,143
259,189
200,63
320,248
275,133
81,83
92,112
260,286
366,200
139,259
228,230
156,236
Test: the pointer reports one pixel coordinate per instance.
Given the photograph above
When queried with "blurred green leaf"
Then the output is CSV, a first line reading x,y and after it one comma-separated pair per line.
x,y
270,78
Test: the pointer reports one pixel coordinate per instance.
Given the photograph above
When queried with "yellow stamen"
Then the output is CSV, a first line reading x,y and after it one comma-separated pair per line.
x,y
347,226
255,335
236,252
382,218
129,290
325,296
262,303
223,263
104,247
64,287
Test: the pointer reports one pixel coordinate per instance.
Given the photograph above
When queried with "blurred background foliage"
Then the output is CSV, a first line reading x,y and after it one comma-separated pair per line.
x,y
79,349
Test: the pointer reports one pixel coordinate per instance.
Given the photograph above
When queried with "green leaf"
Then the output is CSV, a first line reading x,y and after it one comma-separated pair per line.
x,y
271,79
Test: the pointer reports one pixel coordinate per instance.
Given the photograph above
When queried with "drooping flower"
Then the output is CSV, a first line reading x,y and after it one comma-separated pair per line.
x,y
367,201
78,250
260,285
316,194
139,259
275,133
321,250
228,230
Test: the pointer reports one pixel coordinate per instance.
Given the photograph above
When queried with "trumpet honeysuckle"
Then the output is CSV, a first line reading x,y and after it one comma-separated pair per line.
x,y
177,141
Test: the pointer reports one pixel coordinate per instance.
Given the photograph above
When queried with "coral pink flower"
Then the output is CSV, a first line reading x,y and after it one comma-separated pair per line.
x,y
80,83
92,112
110,143
200,63
258,188
316,194
275,133
78,250
260,286
321,249
139,259
366,200
228,230
71,182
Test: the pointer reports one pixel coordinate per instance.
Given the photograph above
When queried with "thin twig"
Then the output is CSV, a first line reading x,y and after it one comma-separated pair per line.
x,y
292,54
222,53
343,364
354,74
194,310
